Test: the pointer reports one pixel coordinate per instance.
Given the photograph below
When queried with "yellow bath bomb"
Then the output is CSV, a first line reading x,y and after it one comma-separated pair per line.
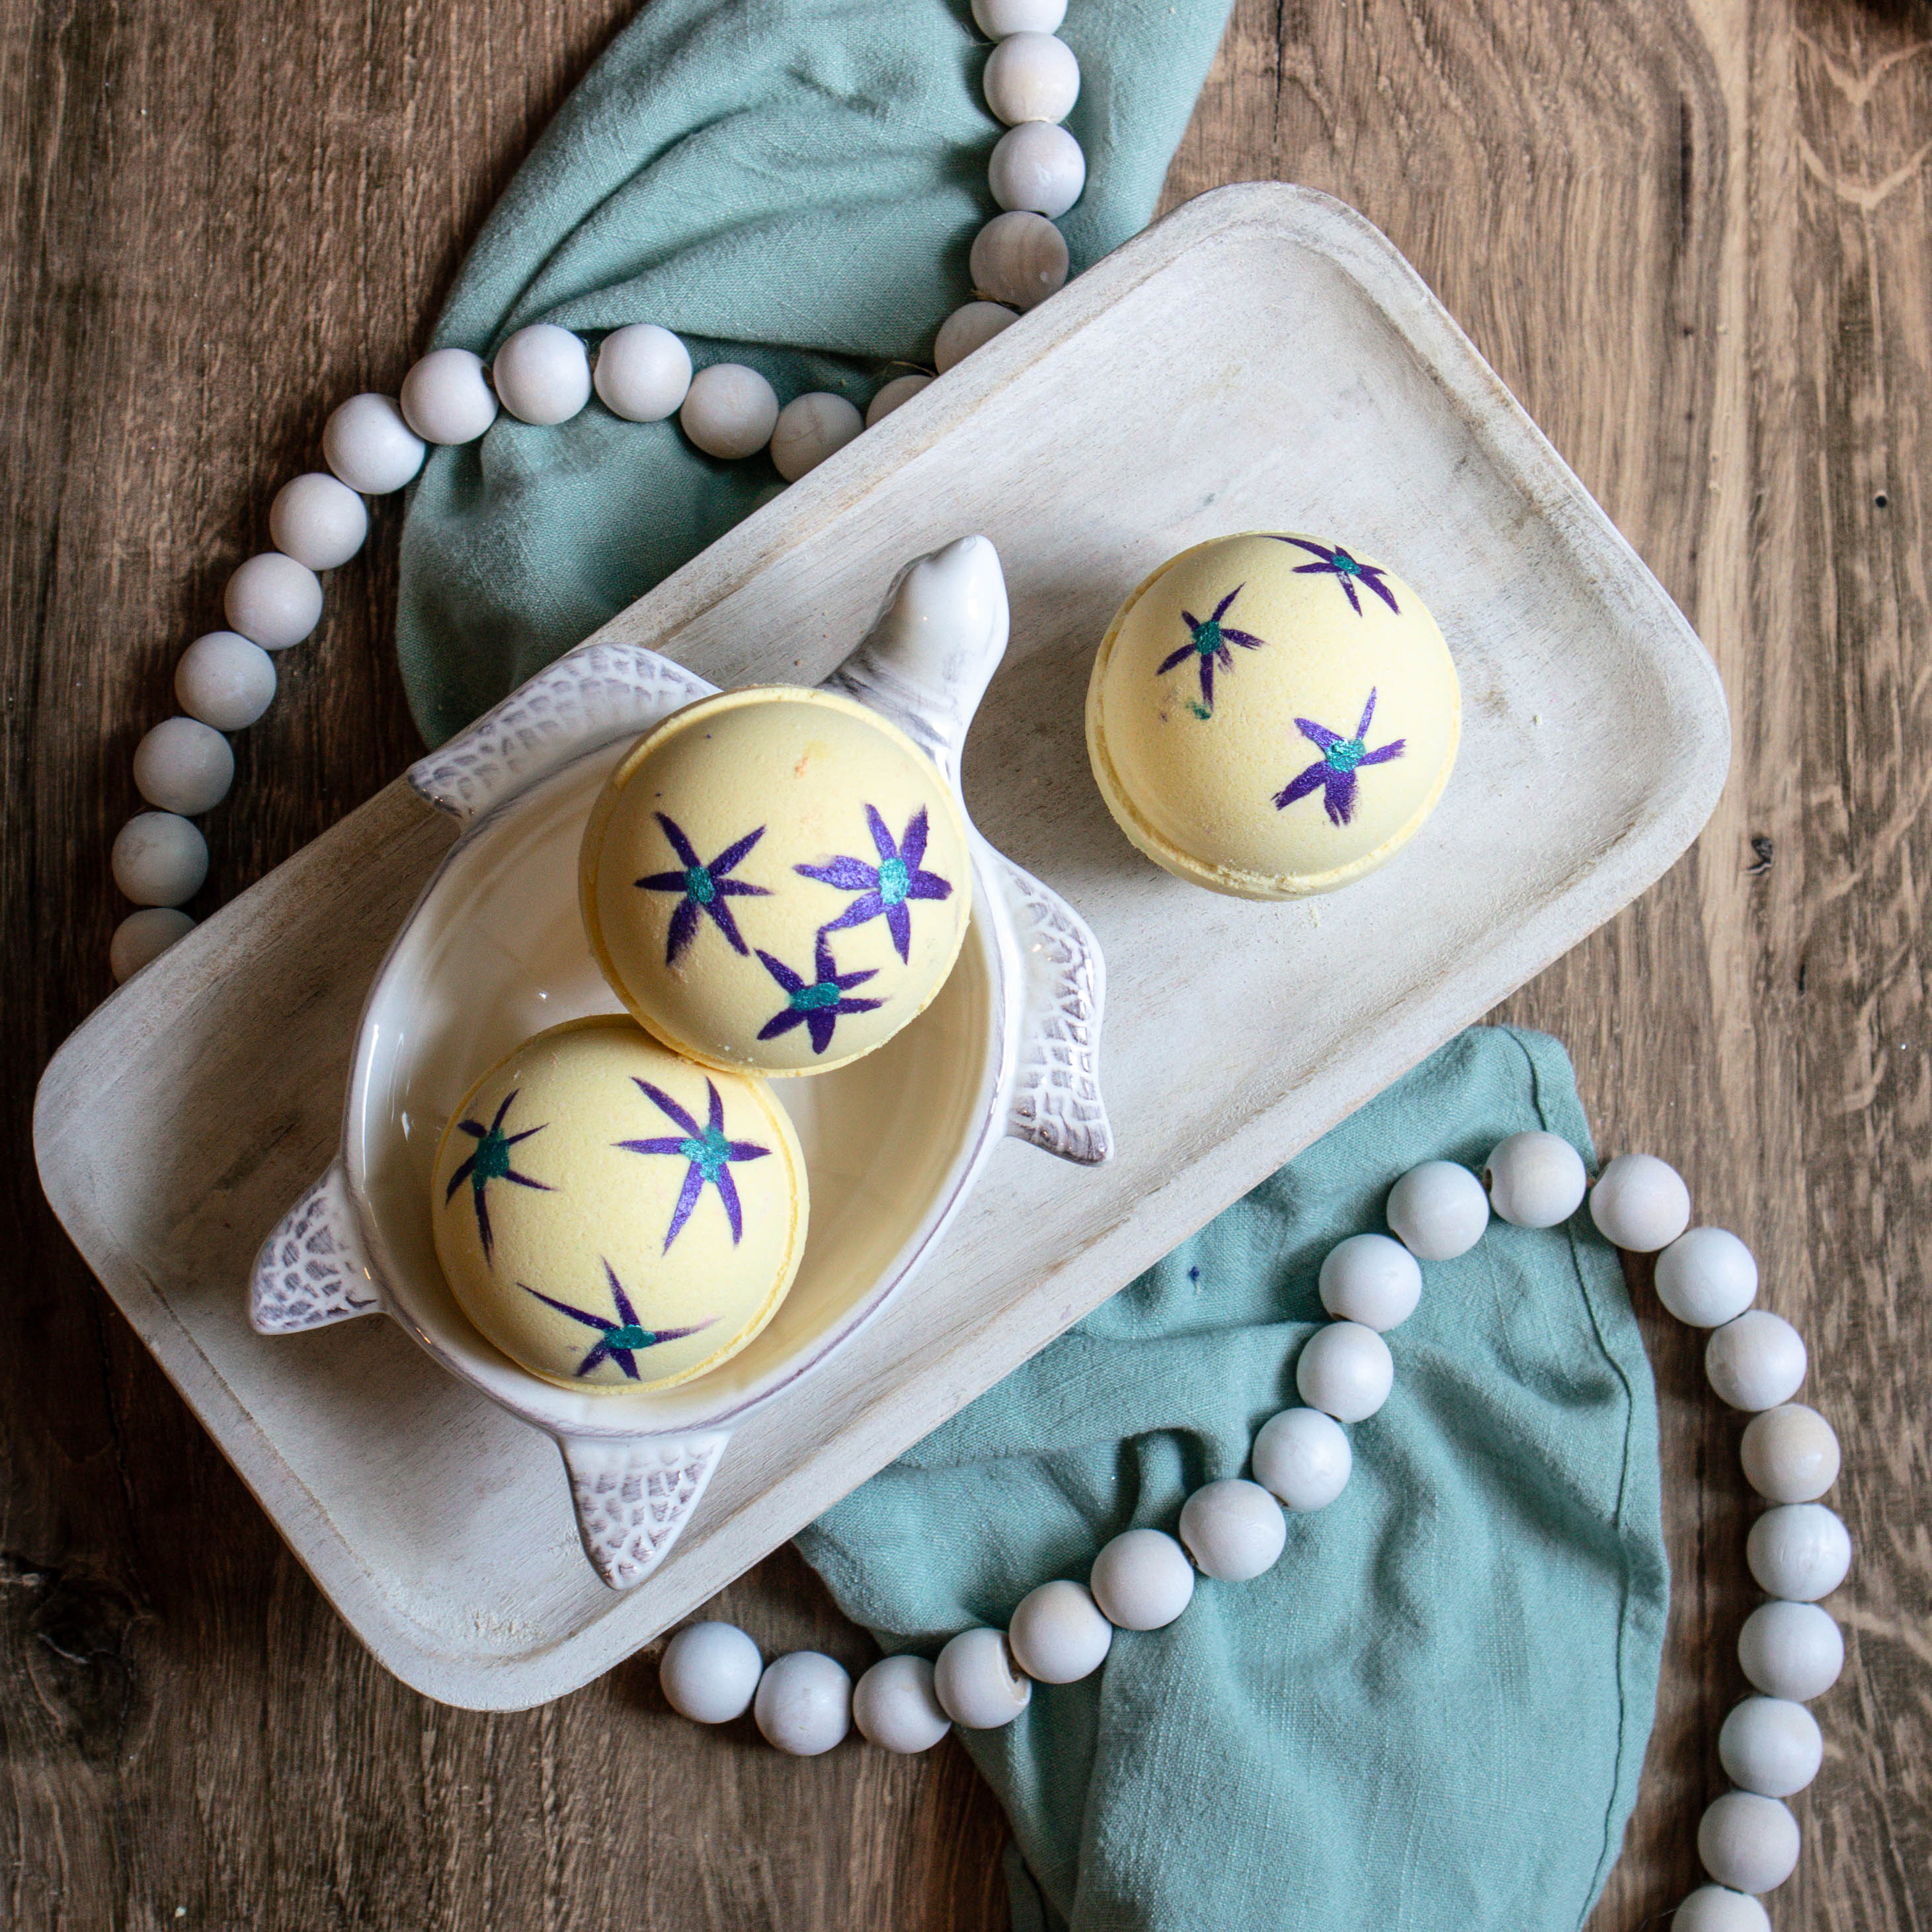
x,y
776,879
1270,715
612,1216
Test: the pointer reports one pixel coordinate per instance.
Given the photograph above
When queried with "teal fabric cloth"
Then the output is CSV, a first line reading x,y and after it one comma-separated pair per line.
x,y
1430,1715
791,184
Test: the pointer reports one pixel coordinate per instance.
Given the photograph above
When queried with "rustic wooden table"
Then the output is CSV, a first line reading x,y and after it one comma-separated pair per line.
x,y
1694,239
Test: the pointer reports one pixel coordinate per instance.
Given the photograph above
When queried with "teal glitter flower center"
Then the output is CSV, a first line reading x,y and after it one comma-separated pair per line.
x,y
1345,565
629,1336
810,999
894,878
698,882
710,1156
492,1160
1345,753
1207,638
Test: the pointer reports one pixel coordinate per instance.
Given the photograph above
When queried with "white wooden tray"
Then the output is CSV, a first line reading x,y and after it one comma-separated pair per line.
x,y
1263,358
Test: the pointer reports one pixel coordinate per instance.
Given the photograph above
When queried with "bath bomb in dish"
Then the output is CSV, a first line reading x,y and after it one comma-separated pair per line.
x,y
612,1216
775,880
1270,715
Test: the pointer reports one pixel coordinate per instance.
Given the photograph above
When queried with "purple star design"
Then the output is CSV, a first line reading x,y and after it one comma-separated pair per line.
x,y
818,1005
704,886
886,887
709,1153
491,1162
1338,564
1334,771
619,1341
1207,644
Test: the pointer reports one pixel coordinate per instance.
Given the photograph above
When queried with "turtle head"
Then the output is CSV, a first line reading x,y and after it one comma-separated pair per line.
x,y
925,663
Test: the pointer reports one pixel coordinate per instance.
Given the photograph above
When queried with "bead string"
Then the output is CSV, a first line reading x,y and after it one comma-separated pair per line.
x,y
1233,1530
374,445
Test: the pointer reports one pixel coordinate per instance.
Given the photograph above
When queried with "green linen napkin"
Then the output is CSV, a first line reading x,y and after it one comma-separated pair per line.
x,y
1431,1714
791,184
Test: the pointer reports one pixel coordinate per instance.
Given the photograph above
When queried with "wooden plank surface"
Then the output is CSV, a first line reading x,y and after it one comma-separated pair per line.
x,y
1692,238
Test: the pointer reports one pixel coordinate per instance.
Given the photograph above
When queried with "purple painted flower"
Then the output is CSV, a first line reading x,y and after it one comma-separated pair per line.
x,y
1208,645
884,888
709,1153
1334,771
704,888
618,1340
491,1162
1338,564
818,1005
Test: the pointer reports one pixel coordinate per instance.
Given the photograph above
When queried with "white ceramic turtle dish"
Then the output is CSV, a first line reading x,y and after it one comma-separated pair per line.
x,y
494,951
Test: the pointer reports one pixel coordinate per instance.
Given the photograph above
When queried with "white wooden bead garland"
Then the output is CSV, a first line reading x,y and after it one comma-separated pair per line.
x,y
1233,1530
545,375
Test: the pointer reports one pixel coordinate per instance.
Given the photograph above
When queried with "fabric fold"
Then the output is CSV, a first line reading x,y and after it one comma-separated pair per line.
x,y
791,184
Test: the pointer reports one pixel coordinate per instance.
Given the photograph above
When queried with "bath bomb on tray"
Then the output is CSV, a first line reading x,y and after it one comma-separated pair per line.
x,y
1270,715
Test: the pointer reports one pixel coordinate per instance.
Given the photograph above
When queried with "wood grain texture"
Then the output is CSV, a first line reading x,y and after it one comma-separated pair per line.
x,y
1694,239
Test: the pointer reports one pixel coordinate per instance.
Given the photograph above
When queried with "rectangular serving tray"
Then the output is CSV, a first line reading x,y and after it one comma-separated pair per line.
x,y
1263,358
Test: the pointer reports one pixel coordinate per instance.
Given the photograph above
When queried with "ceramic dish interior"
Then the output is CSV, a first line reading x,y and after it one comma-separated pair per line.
x,y
494,952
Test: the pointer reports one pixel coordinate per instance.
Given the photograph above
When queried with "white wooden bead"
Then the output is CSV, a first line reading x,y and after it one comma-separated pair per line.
x,y
159,859
1791,1650
318,521
709,1672
1037,165
1031,77
1019,259
1345,1371
1756,1361
1770,1745
1790,1453
644,372
804,1703
144,936
997,18
1438,1210
273,601
896,1708
1303,1456
1707,1277
1142,1580
1747,1842
541,374
1234,1530
182,765
900,389
1640,1203
370,446
730,411
1058,1635
1798,1551
810,428
1716,1908
978,1684
225,681
447,399
1535,1179
1371,1280
969,327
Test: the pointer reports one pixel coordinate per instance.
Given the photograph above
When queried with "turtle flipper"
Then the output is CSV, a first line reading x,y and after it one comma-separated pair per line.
x,y
313,1270
1057,1103
633,1495
594,695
